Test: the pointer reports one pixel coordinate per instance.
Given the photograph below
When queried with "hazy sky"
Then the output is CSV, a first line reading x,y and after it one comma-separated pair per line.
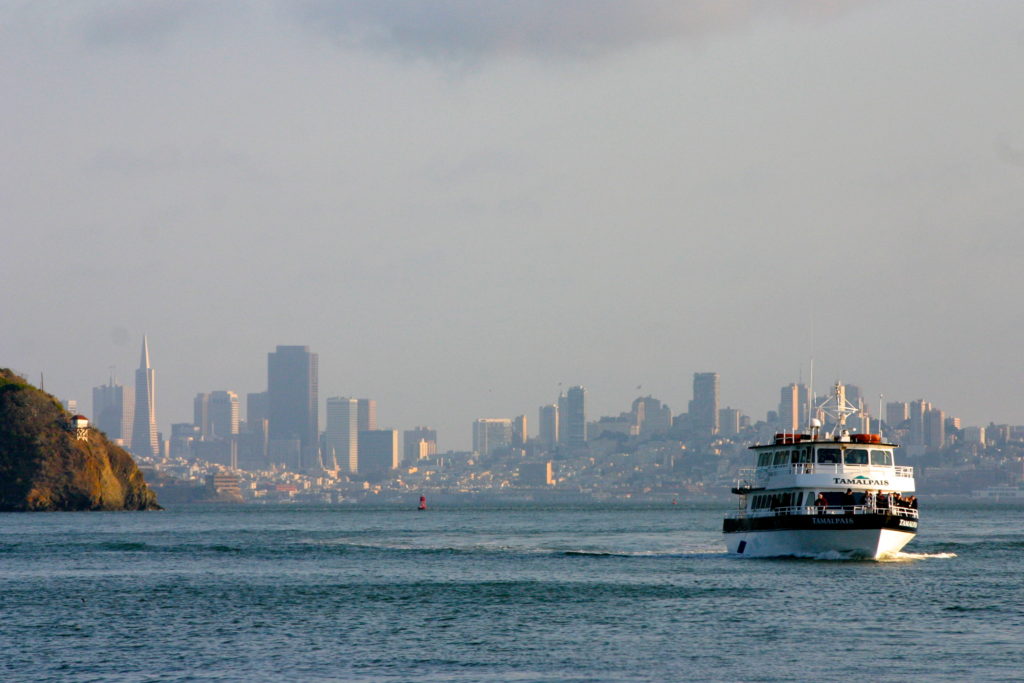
x,y
462,205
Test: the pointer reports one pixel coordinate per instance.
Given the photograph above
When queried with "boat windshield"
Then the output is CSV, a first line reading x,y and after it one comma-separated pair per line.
x,y
830,456
856,456
881,458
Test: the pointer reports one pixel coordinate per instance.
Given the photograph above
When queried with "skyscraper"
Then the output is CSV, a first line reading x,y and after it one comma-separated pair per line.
x,y
548,425
793,405
292,382
418,442
491,434
113,407
223,414
367,417
519,431
343,432
896,413
573,420
201,414
378,452
144,434
704,406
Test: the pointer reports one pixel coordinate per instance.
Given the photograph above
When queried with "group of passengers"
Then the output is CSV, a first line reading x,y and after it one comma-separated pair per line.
x,y
874,500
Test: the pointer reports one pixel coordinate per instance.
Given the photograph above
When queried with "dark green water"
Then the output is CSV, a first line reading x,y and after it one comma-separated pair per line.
x,y
495,594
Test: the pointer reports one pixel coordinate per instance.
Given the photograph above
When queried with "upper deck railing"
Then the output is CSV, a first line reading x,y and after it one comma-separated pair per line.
x,y
813,510
759,474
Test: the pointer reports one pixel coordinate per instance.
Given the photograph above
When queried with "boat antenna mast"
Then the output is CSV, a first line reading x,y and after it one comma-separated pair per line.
x,y
838,408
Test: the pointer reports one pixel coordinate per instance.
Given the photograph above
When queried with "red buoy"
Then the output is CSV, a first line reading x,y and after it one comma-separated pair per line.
x,y
423,503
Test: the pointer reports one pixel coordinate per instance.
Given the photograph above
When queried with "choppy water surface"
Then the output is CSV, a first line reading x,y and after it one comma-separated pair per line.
x,y
495,594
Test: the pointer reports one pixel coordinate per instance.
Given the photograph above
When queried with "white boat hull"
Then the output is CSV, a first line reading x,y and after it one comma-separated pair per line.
x,y
845,543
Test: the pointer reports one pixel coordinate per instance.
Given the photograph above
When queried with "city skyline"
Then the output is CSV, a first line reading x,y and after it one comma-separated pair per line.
x,y
704,402
466,208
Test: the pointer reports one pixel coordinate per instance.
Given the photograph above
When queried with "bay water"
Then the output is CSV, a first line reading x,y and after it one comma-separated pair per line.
x,y
496,593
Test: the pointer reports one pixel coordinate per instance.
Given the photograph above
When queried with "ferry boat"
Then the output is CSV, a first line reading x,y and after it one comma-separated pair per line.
x,y
824,494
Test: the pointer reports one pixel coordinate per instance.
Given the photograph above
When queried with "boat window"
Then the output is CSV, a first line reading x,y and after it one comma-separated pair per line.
x,y
781,458
806,455
829,456
856,456
883,458
764,460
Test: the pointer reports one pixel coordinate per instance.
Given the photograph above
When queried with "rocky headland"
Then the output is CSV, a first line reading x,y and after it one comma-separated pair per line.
x,y
45,465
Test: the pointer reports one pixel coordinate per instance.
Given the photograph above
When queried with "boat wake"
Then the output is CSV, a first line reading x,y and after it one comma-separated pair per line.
x,y
902,557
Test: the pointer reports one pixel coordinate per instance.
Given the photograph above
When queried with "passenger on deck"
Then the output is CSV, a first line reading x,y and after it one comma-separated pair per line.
x,y
913,503
882,500
869,499
821,502
848,501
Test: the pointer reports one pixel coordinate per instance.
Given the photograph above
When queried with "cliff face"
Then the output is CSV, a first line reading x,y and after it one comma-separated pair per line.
x,y
44,467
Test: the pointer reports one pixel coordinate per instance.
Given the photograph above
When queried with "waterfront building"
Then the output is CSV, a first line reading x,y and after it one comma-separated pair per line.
x,y
292,384
144,439
536,474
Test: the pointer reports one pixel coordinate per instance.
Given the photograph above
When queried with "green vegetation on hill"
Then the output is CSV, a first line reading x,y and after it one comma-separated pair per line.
x,y
44,467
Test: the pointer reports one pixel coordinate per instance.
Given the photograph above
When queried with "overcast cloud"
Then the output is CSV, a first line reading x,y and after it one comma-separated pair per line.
x,y
463,205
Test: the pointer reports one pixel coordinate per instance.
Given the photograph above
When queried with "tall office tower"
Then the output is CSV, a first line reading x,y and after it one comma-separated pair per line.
x,y
974,436
704,406
934,429
417,443
378,452
144,437
292,382
254,443
729,421
794,401
113,407
184,436
547,421
855,397
789,408
343,432
491,434
519,432
563,410
896,413
651,416
257,407
367,415
574,419
201,413
918,409
222,414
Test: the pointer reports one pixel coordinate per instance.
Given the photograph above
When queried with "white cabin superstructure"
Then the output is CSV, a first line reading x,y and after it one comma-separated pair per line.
x,y
813,494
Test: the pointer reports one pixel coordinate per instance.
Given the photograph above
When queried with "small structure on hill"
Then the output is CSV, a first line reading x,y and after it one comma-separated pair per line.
x,y
79,426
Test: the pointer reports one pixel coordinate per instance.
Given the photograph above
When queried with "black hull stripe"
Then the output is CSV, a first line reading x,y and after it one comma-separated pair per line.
x,y
807,522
